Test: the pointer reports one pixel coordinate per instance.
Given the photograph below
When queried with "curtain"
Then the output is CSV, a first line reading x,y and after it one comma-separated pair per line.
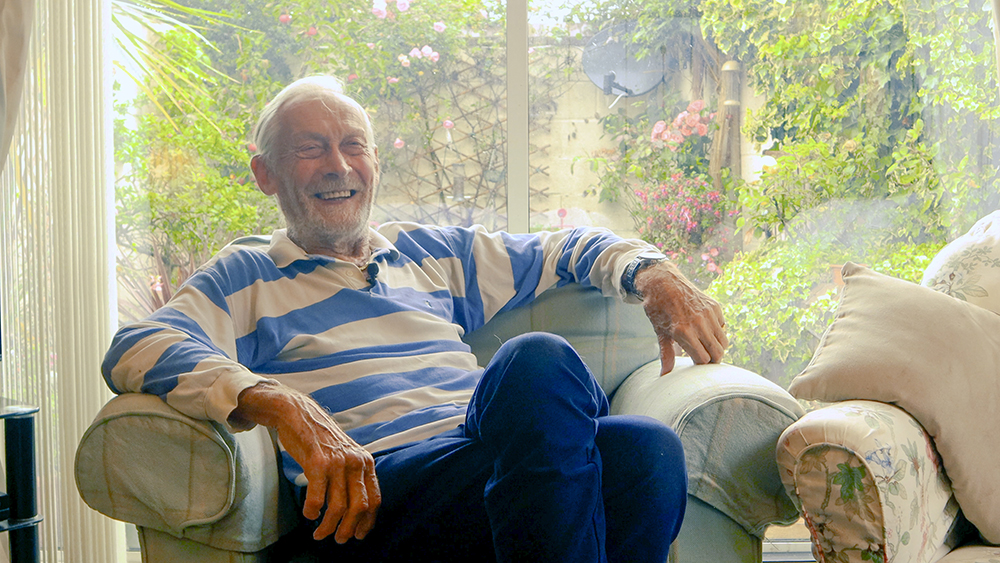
x,y
56,291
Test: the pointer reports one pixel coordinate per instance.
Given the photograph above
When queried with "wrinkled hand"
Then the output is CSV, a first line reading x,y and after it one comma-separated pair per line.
x,y
681,313
341,473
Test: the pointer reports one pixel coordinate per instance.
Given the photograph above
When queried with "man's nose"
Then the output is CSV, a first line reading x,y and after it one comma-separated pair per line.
x,y
336,165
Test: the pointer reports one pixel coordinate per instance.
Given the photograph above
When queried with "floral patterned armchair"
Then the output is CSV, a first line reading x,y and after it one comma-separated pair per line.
x,y
868,476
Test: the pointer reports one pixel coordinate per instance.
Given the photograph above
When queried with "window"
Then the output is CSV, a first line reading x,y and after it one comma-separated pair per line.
x,y
760,143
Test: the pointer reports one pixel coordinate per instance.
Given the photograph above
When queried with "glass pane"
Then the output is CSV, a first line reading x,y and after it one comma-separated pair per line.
x,y
190,83
764,143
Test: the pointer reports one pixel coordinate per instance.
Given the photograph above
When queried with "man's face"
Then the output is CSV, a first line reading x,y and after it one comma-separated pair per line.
x,y
324,173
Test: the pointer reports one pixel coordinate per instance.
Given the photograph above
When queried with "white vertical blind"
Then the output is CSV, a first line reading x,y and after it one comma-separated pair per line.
x,y
56,293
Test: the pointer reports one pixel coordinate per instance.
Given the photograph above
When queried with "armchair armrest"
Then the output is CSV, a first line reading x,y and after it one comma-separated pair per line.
x,y
143,462
869,484
729,420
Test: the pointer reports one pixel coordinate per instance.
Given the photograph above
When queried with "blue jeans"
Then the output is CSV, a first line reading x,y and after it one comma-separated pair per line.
x,y
538,473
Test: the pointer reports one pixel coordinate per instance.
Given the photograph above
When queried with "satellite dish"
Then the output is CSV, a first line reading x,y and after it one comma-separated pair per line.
x,y
610,63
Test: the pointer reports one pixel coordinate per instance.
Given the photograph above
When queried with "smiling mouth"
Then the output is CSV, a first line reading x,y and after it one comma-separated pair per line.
x,y
342,194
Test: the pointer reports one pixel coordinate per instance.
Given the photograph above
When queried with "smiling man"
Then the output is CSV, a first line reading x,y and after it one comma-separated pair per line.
x,y
347,341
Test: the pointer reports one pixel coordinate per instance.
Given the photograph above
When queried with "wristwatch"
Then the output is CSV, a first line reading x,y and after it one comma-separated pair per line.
x,y
644,259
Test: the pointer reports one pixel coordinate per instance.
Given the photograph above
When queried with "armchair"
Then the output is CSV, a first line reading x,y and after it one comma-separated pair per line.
x,y
902,465
200,494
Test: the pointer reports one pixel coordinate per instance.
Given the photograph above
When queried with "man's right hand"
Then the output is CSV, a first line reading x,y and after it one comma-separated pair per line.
x,y
341,473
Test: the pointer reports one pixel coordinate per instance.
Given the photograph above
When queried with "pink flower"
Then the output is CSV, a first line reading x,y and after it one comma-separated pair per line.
x,y
712,267
659,127
252,147
434,56
311,31
714,251
284,18
380,13
685,131
426,50
402,5
415,53
399,143
702,129
439,27
352,77
704,256
370,45
448,124
391,79
406,62
692,120
696,106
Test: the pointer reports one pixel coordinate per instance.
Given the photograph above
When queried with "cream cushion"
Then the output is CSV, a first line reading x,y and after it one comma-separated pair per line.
x,y
968,268
934,356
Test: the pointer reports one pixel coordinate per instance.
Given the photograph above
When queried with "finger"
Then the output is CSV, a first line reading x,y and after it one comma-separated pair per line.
x,y
714,348
336,504
357,495
691,341
315,496
666,353
374,502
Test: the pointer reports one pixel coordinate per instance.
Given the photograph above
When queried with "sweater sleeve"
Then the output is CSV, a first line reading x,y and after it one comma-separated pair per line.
x,y
185,353
491,272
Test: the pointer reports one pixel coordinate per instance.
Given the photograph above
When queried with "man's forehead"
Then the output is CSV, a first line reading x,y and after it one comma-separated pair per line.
x,y
321,111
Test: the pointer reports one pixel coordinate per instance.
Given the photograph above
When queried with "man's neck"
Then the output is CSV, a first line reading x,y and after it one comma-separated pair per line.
x,y
357,250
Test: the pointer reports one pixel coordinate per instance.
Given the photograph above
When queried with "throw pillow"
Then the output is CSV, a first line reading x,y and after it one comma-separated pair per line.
x,y
934,356
968,268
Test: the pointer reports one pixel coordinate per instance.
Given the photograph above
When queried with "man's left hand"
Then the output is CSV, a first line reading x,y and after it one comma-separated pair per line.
x,y
681,313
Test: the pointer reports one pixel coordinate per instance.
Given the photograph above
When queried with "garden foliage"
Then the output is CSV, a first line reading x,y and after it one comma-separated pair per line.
x,y
878,118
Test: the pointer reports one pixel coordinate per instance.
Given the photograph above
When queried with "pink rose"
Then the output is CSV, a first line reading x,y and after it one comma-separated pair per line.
x,y
692,120
391,79
415,53
702,129
658,128
696,106
426,50
434,56
439,27
311,31
380,13
685,131
284,18
448,124
399,143
402,5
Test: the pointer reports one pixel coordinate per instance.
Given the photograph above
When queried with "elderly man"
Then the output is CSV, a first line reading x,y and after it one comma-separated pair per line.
x,y
347,341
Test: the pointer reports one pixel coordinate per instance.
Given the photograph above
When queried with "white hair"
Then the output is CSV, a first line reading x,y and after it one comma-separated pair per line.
x,y
311,87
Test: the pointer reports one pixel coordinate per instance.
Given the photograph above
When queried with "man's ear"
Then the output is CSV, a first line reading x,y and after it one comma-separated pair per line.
x,y
265,180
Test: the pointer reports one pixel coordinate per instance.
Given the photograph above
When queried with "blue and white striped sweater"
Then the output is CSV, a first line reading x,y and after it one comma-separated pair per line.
x,y
386,359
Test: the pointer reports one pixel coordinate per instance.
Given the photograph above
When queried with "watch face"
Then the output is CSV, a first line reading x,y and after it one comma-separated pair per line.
x,y
651,255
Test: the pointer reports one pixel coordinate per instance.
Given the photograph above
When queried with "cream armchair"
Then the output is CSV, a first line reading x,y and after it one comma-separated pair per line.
x,y
899,466
200,494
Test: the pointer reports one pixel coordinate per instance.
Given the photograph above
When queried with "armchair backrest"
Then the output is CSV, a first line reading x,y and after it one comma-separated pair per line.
x,y
613,338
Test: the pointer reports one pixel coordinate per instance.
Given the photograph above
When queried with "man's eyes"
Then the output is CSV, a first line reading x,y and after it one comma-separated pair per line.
x,y
310,151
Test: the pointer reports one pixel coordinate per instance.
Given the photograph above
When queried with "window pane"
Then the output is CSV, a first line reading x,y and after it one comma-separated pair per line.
x,y
190,83
764,143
